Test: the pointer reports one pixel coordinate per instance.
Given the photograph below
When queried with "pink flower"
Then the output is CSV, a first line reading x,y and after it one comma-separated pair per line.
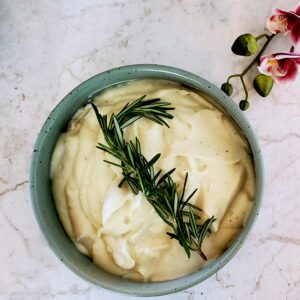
x,y
286,21
281,66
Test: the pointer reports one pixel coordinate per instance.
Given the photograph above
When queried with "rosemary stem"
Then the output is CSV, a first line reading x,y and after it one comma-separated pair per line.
x,y
160,190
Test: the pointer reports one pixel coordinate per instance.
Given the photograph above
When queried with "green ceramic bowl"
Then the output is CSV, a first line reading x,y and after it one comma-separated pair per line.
x,y
40,184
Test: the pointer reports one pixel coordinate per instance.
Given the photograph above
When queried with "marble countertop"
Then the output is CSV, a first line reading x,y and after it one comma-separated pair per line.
x,y
49,47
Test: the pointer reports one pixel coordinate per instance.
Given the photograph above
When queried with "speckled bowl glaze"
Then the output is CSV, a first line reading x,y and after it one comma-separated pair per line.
x,y
40,183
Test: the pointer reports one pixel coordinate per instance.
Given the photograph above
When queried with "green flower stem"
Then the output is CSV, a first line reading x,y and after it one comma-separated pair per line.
x,y
254,61
245,88
232,76
262,36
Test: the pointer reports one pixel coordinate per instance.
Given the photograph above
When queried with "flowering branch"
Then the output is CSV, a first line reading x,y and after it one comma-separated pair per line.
x,y
244,104
280,67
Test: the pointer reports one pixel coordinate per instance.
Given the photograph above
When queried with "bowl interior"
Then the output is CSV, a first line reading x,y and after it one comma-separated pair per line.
x,y
40,184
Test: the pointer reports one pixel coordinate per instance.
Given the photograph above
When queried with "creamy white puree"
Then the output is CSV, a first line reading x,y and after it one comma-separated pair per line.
x,y
120,231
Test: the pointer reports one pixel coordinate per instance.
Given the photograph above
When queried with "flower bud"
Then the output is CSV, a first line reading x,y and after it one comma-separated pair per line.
x,y
244,105
227,88
244,45
263,84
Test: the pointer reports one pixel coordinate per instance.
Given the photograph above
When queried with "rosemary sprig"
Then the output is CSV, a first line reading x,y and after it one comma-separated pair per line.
x,y
160,190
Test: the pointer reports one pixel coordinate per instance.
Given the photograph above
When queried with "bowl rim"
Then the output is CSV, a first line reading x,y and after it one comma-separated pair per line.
x,y
232,108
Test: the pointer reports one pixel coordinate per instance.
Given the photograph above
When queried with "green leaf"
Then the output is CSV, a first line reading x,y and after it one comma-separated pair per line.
x,y
204,229
161,180
112,163
187,214
184,187
118,130
170,208
156,119
106,149
188,199
188,233
133,184
130,121
185,245
193,224
130,155
150,163
156,176
172,235
98,115
122,182
162,214
193,206
175,204
130,107
138,145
